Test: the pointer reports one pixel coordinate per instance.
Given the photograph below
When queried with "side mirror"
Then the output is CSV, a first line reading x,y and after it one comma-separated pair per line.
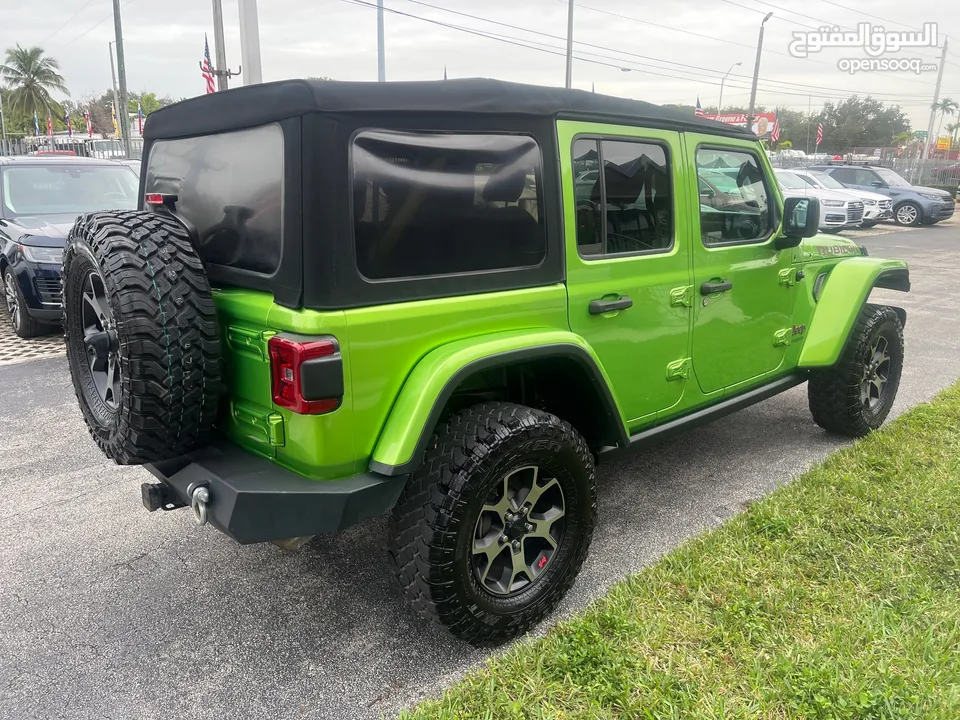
x,y
801,219
878,183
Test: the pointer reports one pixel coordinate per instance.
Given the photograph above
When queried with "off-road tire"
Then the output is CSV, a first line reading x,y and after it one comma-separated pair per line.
x,y
167,335
28,326
432,525
834,393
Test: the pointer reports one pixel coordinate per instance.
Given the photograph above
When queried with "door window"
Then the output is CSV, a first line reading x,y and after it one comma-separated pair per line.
x,y
741,208
628,207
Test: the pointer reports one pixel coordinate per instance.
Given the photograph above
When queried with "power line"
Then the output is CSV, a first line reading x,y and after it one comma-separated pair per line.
x,y
769,84
96,25
552,50
686,32
82,8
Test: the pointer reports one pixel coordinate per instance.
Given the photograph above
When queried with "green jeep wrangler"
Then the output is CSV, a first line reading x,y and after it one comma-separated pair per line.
x,y
450,300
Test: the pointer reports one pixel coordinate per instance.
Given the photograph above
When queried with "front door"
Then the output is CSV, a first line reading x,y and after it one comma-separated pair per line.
x,y
628,263
742,283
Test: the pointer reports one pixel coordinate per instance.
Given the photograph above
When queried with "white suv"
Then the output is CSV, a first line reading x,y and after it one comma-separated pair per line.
x,y
838,210
876,207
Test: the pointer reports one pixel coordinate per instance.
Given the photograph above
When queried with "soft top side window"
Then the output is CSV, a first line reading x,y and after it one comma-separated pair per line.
x,y
429,204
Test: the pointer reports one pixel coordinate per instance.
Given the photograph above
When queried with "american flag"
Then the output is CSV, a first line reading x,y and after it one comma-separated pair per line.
x,y
207,68
819,133
139,118
775,135
699,111
86,117
69,122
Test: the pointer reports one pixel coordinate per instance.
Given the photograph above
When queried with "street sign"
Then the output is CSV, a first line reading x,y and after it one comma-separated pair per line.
x,y
921,133
943,143
876,153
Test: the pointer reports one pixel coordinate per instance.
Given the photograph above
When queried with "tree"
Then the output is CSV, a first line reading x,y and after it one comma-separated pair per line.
x,y
952,128
860,122
785,145
31,76
947,106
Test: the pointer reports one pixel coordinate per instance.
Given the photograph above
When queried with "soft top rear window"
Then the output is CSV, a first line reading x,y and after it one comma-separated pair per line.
x,y
230,187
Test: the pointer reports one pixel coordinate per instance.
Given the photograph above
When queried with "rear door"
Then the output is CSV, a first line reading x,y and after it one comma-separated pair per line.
x,y
741,281
628,262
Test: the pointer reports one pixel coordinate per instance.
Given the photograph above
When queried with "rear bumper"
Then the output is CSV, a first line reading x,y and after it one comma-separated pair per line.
x,y
254,500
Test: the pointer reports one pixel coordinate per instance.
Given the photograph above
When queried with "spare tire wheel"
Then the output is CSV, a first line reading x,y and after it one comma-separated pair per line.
x,y
142,338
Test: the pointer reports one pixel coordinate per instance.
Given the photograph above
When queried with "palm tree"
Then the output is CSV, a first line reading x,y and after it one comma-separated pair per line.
x,y
947,106
30,75
952,129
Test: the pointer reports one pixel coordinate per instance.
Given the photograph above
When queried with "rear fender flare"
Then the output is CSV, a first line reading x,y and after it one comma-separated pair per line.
x,y
436,377
845,291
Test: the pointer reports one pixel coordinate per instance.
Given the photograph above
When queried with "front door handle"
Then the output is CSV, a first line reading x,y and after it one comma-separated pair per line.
x,y
709,288
599,307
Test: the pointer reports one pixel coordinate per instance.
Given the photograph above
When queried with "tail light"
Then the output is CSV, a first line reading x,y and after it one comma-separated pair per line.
x,y
307,373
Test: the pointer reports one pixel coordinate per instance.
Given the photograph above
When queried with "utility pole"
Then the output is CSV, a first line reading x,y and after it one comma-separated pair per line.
x,y
250,42
381,60
219,50
720,101
756,72
933,110
113,76
122,75
569,45
3,123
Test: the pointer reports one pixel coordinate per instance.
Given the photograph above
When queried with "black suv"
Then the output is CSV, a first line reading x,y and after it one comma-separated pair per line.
x,y
912,204
40,198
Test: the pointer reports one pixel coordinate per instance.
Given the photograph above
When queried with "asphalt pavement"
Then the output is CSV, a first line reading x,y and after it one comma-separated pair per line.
x,y
107,611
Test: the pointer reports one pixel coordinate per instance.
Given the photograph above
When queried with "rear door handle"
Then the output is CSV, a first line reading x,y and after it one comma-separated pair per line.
x,y
599,307
709,288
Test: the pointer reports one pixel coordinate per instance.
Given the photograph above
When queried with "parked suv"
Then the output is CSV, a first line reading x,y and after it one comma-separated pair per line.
x,y
876,207
341,299
912,204
838,210
40,198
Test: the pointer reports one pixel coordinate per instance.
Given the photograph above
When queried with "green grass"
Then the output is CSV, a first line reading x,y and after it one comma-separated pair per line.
x,y
838,596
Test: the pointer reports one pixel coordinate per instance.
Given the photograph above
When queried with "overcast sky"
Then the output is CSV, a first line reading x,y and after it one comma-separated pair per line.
x,y
675,51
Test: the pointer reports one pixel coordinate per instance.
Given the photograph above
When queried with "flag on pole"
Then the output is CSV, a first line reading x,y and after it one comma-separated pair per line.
x,y
69,122
775,135
819,133
139,118
86,117
36,124
444,72
49,123
699,110
113,116
207,67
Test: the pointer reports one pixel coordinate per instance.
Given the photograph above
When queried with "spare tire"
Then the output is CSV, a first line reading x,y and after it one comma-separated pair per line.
x,y
142,337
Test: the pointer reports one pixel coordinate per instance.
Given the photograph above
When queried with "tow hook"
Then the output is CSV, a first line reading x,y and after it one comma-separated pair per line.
x,y
199,497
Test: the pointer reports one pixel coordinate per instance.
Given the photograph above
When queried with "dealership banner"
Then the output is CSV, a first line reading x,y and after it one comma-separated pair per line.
x,y
764,124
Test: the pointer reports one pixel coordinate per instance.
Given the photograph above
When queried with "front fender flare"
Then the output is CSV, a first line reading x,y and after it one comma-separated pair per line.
x,y
846,290
435,378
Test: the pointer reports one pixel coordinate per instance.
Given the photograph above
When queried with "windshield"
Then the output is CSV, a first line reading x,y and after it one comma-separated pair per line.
x,y
891,178
67,189
791,181
829,182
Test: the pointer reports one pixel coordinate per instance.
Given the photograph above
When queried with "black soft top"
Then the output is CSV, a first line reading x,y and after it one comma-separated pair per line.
x,y
270,102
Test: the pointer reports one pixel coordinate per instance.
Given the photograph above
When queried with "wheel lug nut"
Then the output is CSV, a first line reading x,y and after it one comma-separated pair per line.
x,y
516,544
529,527
503,539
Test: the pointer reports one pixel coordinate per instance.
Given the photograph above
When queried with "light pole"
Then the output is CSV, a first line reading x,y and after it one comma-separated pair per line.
x,y
381,59
569,45
720,101
756,71
3,123
113,75
122,81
